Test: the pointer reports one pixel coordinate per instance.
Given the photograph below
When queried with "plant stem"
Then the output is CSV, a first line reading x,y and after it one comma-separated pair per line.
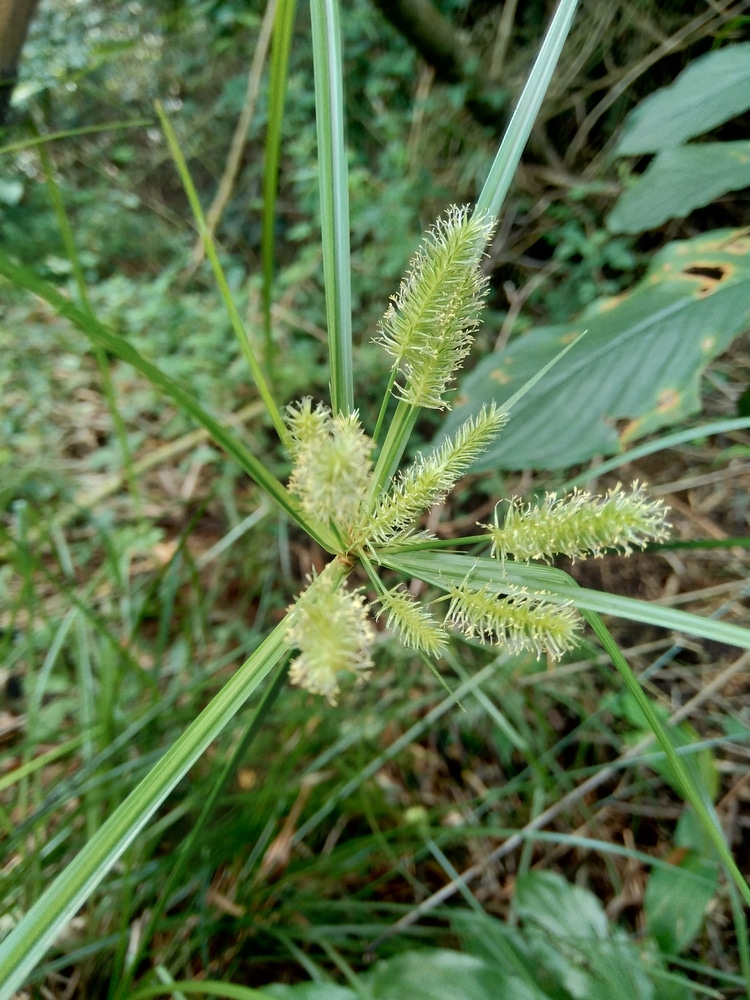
x,y
334,198
394,446
221,280
384,405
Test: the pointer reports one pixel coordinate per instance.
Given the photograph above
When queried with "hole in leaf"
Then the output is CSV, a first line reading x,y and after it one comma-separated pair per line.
x,y
710,273
711,276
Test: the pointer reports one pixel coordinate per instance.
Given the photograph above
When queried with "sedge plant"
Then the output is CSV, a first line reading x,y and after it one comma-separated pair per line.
x,y
351,491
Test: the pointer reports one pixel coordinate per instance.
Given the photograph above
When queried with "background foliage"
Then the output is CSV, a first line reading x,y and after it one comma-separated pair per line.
x,y
132,583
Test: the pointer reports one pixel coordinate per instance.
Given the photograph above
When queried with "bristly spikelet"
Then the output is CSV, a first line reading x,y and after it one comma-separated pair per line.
x,y
429,480
332,467
518,622
580,525
428,326
306,424
415,625
331,629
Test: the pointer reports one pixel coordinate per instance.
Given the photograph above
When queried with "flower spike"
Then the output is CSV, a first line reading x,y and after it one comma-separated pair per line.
x,y
332,467
579,525
330,627
429,324
520,621
414,624
429,480
370,513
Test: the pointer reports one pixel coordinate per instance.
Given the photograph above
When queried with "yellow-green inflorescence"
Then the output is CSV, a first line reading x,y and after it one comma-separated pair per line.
x,y
427,330
413,622
332,630
428,326
429,480
519,622
579,525
332,467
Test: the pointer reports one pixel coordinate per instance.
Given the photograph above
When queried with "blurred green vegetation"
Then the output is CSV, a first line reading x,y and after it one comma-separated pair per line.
x,y
124,609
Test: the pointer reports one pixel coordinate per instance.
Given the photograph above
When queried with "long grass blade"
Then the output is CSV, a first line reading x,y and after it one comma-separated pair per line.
x,y
221,282
696,796
203,987
334,198
27,943
73,133
446,570
671,440
187,848
66,232
508,155
278,77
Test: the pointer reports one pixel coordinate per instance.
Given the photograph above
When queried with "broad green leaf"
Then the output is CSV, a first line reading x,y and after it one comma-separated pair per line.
x,y
679,180
713,89
592,968
309,991
637,369
559,908
565,941
677,896
570,937
500,944
444,975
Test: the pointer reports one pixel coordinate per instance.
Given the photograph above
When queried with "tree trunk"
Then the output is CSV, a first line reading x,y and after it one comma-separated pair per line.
x,y
15,18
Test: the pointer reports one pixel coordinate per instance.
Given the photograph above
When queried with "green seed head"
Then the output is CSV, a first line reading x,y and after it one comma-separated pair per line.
x,y
331,629
429,325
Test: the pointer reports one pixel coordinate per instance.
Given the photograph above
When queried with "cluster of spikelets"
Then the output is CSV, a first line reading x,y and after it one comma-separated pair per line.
x,y
428,332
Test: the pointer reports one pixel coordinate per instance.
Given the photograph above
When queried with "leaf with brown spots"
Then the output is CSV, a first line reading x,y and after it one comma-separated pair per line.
x,y
637,369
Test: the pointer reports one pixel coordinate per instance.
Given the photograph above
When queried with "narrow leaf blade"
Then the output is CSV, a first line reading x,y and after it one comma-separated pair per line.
x,y
334,198
27,943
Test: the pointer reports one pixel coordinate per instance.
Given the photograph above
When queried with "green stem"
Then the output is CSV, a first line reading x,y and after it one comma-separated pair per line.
x,y
234,315
277,87
334,198
377,583
394,446
384,405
